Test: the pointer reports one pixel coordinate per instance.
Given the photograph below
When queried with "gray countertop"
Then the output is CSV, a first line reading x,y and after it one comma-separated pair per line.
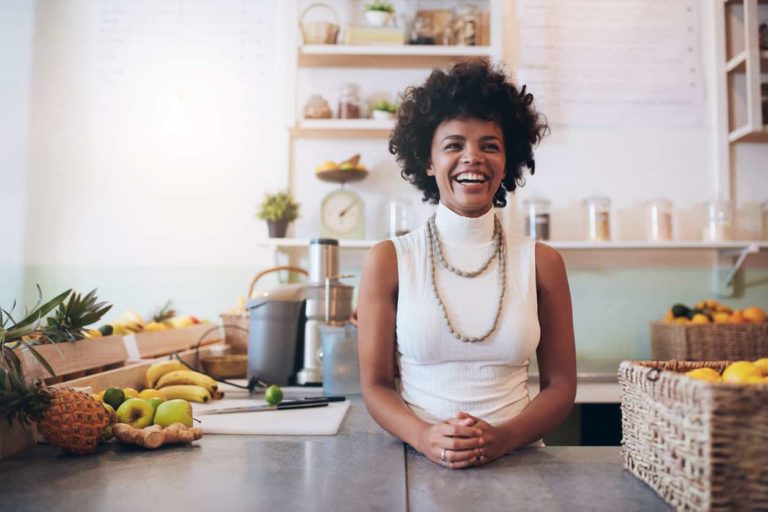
x,y
361,468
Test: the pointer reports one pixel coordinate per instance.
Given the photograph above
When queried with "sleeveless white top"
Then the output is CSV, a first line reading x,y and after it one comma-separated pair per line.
x,y
441,375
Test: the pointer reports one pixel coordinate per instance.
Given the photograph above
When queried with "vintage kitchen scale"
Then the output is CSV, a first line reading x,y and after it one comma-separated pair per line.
x,y
342,211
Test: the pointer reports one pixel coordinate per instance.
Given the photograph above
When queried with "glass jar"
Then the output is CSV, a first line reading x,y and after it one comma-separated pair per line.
x,y
658,220
536,217
317,108
398,222
465,26
597,211
423,31
718,226
349,102
764,216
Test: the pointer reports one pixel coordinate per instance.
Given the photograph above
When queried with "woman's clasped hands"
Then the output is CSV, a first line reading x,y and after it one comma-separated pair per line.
x,y
460,442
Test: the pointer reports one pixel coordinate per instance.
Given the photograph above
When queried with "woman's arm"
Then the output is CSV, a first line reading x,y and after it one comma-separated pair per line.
x,y
556,356
377,311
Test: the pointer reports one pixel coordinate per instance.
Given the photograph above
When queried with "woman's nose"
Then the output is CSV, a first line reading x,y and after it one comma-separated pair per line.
x,y
471,154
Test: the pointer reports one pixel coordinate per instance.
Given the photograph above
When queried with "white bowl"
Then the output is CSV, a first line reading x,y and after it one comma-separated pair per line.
x,y
377,18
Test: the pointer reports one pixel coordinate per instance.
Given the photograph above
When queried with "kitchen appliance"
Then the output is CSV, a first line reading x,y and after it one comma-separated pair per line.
x,y
284,342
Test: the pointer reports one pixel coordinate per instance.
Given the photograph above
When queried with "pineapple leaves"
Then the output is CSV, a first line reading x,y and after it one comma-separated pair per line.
x,y
70,319
40,359
39,312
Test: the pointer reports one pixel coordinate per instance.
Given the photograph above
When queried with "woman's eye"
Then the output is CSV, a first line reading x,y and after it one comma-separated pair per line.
x,y
491,147
453,145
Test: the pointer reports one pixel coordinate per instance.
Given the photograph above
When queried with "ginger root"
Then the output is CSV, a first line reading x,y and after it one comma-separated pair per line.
x,y
156,436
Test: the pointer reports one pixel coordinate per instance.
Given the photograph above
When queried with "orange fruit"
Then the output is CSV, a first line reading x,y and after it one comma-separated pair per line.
x,y
700,319
736,318
720,317
753,314
669,316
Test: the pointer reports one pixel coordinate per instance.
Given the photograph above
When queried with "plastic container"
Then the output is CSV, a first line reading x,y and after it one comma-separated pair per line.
x,y
718,225
597,211
658,220
341,365
537,217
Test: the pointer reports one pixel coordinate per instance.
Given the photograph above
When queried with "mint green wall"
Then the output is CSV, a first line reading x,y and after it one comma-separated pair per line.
x,y
613,303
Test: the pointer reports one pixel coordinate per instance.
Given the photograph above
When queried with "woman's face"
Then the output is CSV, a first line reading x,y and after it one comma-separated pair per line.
x,y
467,161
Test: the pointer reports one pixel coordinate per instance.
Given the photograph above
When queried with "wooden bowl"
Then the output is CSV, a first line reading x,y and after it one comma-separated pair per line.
x,y
227,365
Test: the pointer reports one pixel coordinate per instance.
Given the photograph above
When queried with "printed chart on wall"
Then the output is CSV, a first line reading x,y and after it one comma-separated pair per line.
x,y
597,63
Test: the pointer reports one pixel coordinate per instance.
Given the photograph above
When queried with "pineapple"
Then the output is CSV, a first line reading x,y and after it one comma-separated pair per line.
x,y
164,313
70,320
72,420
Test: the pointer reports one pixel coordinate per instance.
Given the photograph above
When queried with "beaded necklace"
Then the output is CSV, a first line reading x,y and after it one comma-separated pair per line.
x,y
434,246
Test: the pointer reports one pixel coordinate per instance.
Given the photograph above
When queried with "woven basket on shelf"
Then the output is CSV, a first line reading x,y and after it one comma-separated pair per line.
x,y
319,32
709,342
699,445
235,325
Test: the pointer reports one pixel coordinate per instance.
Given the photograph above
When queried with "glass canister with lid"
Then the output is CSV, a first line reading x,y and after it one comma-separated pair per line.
x,y
718,225
597,212
658,220
350,106
537,218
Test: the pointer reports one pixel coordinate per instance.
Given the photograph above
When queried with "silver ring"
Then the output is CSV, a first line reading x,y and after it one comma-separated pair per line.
x,y
442,457
482,457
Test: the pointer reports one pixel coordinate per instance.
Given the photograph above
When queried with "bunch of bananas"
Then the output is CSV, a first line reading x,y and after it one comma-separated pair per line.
x,y
175,380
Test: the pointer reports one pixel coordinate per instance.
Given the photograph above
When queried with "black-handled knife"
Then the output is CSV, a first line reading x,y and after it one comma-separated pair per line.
x,y
317,401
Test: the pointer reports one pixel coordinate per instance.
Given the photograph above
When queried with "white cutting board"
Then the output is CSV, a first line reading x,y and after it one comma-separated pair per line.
x,y
315,421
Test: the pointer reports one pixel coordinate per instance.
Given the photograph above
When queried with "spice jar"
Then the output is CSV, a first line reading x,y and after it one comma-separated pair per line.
x,y
718,226
658,220
597,211
317,108
349,102
536,217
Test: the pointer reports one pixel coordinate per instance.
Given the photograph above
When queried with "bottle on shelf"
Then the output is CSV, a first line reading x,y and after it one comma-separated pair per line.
x,y
658,220
718,225
597,211
537,217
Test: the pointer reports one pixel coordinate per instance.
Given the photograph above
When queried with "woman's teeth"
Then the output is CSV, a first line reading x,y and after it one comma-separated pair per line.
x,y
471,177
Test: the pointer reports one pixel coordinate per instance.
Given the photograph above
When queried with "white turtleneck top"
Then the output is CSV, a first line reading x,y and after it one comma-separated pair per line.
x,y
441,375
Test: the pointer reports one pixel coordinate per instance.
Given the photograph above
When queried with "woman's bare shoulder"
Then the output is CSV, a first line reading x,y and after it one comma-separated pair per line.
x,y
549,264
380,264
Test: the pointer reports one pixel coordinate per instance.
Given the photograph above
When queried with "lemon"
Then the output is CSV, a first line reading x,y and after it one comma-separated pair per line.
x,y
152,393
130,393
705,374
273,395
699,318
762,364
721,317
740,372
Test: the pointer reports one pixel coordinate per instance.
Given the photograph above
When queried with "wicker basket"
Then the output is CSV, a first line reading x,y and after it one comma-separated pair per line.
x,y
699,445
319,32
709,342
236,324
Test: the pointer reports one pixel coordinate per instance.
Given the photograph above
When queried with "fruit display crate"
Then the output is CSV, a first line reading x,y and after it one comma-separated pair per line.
x,y
699,445
709,342
70,360
151,344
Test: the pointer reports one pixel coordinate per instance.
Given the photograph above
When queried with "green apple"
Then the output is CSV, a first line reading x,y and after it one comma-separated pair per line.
x,y
155,401
136,412
174,411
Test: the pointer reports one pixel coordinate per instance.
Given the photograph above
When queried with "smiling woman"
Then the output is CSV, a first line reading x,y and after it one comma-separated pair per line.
x,y
458,307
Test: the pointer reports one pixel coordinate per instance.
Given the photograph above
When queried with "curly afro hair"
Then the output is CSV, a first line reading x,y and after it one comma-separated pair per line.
x,y
469,89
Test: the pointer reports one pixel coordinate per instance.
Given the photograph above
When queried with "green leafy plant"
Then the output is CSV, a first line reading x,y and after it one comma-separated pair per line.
x,y
380,6
384,106
278,206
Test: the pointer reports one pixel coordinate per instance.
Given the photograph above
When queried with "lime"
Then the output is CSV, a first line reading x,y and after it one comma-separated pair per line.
x,y
273,395
114,397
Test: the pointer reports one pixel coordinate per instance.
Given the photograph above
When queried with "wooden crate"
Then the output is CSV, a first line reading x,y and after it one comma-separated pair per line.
x,y
75,359
145,345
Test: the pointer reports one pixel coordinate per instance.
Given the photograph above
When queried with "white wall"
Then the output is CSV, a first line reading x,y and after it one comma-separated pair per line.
x,y
16,18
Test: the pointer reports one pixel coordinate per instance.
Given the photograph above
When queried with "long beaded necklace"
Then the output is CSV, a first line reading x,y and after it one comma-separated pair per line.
x,y
434,246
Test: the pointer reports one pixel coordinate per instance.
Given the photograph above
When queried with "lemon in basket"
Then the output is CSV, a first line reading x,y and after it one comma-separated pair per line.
x,y
762,364
705,374
741,372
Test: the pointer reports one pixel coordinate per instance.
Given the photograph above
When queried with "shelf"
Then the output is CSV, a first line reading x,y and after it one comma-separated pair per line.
x,y
735,245
336,55
747,134
738,63
321,128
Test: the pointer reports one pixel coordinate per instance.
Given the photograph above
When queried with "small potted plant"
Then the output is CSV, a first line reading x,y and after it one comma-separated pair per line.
x,y
278,210
382,109
379,13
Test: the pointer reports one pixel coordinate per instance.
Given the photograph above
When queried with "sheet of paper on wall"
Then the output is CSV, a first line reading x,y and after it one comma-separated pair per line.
x,y
621,62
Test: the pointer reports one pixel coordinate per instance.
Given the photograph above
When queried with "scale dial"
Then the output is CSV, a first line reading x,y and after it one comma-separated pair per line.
x,y
342,215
